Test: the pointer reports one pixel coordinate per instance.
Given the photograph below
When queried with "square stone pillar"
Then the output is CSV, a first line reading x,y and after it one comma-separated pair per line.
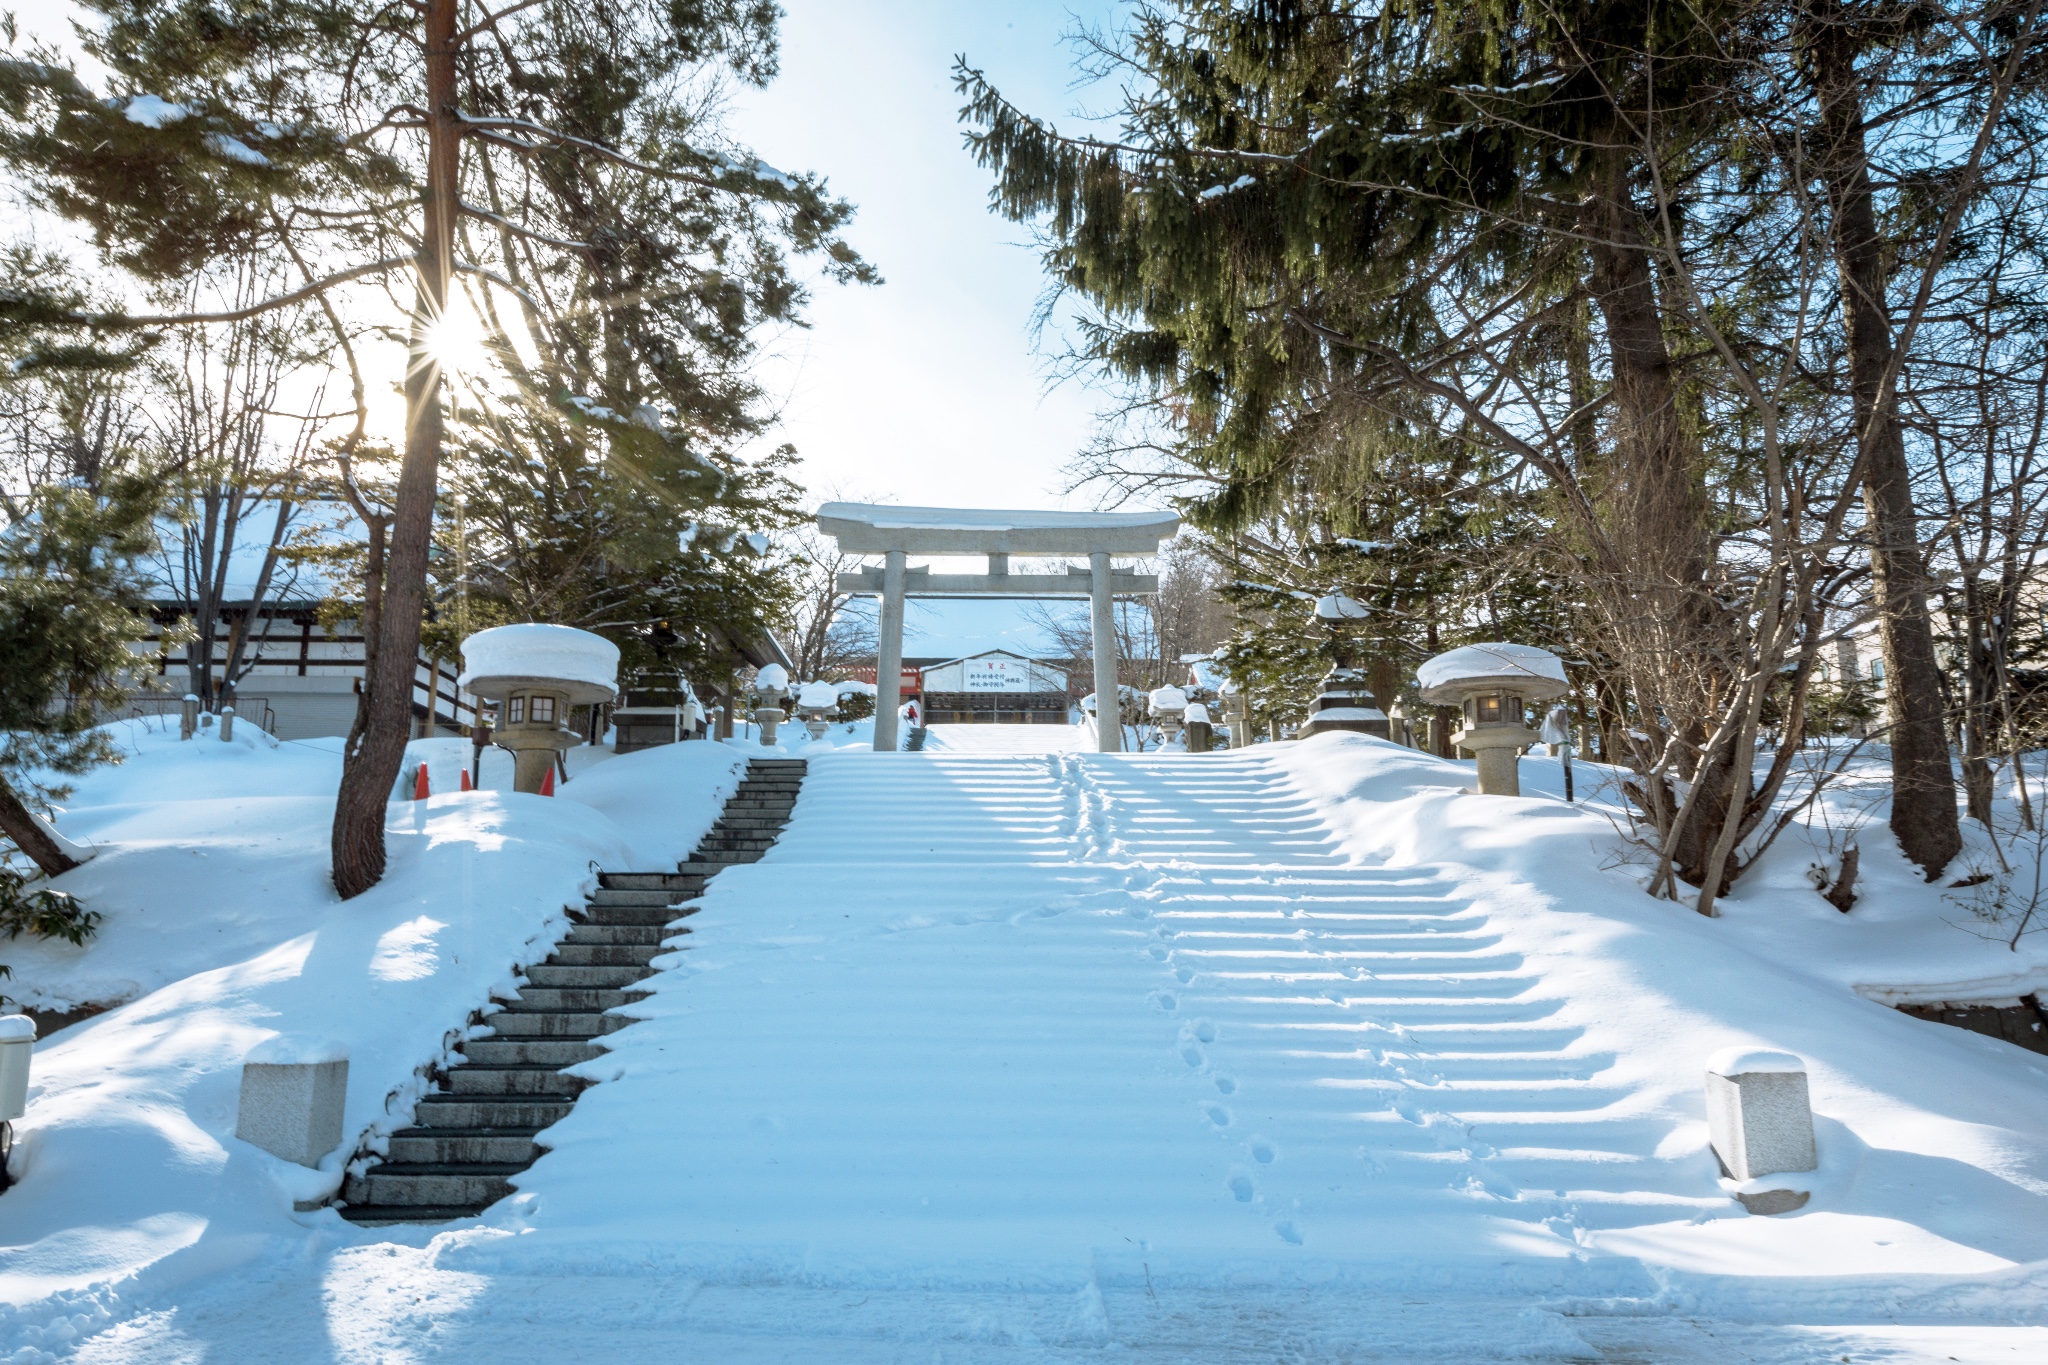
x,y
1760,1120
292,1096
1109,724
889,655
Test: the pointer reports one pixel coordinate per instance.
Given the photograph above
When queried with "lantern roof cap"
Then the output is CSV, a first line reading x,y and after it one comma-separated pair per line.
x,y
1450,677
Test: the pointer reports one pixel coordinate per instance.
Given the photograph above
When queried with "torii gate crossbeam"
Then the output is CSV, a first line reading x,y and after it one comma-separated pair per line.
x,y
898,532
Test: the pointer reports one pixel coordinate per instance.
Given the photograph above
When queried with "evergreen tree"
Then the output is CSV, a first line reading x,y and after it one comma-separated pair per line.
x,y
363,142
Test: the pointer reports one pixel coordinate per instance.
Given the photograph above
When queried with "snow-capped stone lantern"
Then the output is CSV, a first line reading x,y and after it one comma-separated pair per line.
x,y
1201,731
1345,700
534,673
771,689
817,704
1495,685
1168,706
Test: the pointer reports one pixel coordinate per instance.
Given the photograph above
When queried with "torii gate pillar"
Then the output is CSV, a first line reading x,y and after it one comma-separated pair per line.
x,y
897,532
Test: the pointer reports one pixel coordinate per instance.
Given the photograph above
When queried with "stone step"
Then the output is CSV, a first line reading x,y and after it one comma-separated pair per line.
x,y
646,881
517,1022
548,1052
478,1130
575,998
559,974
477,1077
387,1215
471,1184
638,914
653,898
462,1146
604,955
514,1111
616,933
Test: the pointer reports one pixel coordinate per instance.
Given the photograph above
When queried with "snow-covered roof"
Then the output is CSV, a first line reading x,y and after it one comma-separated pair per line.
x,y
874,528
1168,699
1536,673
822,695
511,656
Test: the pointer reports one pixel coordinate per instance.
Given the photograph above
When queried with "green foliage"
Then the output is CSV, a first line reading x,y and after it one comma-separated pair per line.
x,y
42,913
71,602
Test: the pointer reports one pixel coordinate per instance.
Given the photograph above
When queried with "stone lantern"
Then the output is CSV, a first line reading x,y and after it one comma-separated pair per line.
x,y
1168,705
1237,714
1496,685
771,685
534,674
817,703
1345,700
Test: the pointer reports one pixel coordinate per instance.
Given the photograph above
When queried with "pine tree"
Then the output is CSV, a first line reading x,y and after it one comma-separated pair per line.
x,y
360,140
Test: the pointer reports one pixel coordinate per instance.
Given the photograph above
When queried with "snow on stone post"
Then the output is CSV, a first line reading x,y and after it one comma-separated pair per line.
x,y
17,1046
1495,685
535,673
1201,731
1760,1120
188,716
227,724
1168,706
292,1094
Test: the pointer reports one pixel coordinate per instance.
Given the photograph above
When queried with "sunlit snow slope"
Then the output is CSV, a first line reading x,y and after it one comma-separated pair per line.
x,y
1007,1015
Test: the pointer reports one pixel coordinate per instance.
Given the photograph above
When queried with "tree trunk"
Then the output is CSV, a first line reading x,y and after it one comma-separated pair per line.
x,y
376,748
1923,787
29,836
1649,493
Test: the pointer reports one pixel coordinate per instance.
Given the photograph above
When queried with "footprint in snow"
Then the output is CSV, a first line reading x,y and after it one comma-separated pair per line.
x,y
1262,1151
1165,1001
1241,1187
1218,1115
1186,974
1205,1031
1191,1054
1226,1085
1288,1233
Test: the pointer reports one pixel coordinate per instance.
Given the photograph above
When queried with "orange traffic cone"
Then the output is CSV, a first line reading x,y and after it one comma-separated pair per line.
x,y
419,787
465,781
547,783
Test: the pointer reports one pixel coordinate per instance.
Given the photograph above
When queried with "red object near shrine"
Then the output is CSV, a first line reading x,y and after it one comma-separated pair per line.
x,y
419,786
547,783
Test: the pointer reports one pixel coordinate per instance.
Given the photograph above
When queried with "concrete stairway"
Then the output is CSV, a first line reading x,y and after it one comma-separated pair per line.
x,y
482,1127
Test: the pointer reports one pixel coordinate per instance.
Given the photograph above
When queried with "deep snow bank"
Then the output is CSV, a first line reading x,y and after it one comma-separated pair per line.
x,y
1933,1141
224,931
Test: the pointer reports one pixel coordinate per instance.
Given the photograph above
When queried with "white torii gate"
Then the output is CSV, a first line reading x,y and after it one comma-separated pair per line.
x,y
895,532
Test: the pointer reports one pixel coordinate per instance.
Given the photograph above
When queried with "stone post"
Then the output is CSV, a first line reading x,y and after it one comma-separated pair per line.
x,y
1109,723
889,655
292,1095
1760,1120
227,724
188,716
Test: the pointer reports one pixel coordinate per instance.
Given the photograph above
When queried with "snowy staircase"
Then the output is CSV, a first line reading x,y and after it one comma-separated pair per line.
x,y
482,1127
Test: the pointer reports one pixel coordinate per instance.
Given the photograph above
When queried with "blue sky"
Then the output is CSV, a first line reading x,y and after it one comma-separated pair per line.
x,y
926,389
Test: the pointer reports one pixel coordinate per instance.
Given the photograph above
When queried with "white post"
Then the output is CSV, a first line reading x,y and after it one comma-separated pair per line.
x,y
889,655
1109,725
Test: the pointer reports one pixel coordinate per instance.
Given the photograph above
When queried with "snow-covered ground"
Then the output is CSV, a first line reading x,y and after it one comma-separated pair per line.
x,y
221,931
1012,1051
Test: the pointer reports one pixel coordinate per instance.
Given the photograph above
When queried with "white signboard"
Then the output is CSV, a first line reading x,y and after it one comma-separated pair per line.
x,y
996,675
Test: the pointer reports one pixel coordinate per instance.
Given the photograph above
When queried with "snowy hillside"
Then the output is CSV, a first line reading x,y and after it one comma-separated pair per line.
x,y
1025,1055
